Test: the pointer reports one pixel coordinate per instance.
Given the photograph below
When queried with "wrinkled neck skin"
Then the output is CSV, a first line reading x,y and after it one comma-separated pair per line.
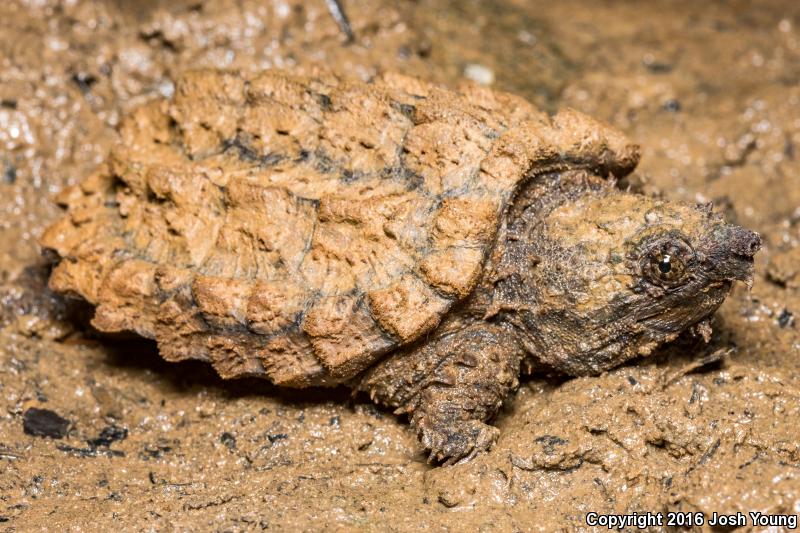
x,y
567,322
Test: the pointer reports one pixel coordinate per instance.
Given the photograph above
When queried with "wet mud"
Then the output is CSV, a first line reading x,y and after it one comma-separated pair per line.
x,y
99,433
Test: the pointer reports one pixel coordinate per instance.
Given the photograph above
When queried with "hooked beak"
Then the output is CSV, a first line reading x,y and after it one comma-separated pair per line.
x,y
729,253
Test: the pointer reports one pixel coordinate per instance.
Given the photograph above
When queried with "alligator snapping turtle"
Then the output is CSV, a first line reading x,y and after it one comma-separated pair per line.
x,y
419,244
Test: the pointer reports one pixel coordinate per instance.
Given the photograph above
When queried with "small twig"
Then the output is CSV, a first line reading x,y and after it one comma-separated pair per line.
x,y
339,15
708,359
8,454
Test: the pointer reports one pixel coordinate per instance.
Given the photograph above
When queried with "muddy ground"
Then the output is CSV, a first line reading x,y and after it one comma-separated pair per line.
x,y
710,90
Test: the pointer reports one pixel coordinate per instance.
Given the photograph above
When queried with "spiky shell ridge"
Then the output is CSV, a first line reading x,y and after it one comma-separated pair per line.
x,y
299,228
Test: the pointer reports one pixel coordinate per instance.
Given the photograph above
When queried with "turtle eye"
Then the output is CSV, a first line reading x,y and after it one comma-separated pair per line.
x,y
666,263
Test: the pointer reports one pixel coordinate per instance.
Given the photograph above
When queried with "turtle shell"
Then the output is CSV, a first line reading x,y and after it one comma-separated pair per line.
x,y
300,228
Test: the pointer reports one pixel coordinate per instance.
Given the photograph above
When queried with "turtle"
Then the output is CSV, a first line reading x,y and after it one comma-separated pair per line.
x,y
421,244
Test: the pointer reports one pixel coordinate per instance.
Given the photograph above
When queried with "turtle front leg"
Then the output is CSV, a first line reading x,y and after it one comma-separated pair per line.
x,y
451,386
448,428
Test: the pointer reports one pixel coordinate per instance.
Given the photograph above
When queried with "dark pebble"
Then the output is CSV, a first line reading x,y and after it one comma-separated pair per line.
x,y
788,148
549,443
659,68
277,437
108,435
44,423
786,319
228,440
673,106
155,451
424,48
10,175
84,81
325,102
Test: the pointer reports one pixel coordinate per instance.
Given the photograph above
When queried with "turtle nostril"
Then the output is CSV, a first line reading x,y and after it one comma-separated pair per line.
x,y
755,244
751,243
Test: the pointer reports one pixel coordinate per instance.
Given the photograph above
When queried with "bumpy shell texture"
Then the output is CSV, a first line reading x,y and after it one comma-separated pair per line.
x,y
301,228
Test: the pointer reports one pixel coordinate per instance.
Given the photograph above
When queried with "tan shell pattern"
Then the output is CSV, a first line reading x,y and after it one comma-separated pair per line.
x,y
300,228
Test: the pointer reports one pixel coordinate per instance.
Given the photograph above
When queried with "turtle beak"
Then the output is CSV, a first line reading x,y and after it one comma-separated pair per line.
x,y
743,242
729,253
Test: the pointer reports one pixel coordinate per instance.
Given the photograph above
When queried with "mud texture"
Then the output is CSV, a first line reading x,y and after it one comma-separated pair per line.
x,y
708,91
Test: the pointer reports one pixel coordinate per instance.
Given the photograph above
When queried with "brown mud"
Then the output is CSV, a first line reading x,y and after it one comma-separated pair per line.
x,y
711,93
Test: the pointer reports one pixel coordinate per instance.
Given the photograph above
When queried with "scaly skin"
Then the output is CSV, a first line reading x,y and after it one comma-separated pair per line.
x,y
583,278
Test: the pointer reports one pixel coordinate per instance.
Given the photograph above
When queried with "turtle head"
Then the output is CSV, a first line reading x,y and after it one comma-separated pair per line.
x,y
620,274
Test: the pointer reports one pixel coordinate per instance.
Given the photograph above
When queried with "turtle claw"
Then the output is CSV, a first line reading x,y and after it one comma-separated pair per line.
x,y
458,443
